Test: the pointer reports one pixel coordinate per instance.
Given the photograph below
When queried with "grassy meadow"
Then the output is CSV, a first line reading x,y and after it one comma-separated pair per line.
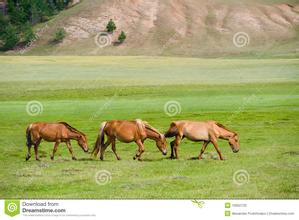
x,y
258,98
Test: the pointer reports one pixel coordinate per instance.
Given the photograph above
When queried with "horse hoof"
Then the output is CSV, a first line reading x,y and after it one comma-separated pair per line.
x,y
101,158
74,158
134,158
27,158
37,159
52,158
118,158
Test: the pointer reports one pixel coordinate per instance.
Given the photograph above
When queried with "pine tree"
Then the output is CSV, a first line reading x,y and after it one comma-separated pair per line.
x,y
122,37
111,26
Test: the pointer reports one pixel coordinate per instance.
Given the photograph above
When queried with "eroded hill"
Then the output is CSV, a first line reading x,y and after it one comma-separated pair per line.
x,y
175,27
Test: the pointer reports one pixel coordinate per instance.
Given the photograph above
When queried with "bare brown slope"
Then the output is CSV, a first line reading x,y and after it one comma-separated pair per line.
x,y
176,27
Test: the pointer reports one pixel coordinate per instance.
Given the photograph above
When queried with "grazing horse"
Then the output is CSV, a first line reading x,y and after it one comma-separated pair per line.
x,y
53,132
127,131
207,132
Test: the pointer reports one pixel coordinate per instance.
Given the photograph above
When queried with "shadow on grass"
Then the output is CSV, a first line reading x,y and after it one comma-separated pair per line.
x,y
292,153
87,159
152,160
193,158
207,158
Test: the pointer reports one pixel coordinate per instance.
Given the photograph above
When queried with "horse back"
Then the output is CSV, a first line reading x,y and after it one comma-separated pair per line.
x,y
123,130
49,131
192,130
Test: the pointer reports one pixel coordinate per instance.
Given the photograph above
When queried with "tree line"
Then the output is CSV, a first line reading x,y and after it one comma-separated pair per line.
x,y
16,25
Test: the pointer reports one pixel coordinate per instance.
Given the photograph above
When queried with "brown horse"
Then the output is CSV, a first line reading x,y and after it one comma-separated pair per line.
x,y
53,132
127,131
207,132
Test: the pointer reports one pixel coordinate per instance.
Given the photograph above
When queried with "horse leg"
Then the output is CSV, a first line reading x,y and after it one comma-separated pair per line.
x,y
55,149
214,142
176,146
36,149
69,146
203,148
172,150
36,152
103,148
114,149
140,150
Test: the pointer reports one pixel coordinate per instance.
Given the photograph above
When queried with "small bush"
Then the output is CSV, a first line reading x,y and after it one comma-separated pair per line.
x,y
28,35
111,26
59,35
122,37
45,18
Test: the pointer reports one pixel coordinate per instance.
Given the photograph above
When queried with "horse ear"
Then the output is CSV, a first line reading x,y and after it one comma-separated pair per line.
x,y
172,124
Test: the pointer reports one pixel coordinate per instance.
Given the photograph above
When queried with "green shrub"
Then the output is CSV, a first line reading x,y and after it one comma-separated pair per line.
x,y
28,34
9,37
59,35
111,26
122,37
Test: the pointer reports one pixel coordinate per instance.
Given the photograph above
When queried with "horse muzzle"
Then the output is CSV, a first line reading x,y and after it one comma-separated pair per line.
x,y
164,153
235,151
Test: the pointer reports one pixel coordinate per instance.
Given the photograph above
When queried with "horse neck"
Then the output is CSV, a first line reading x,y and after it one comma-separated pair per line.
x,y
225,134
152,134
74,135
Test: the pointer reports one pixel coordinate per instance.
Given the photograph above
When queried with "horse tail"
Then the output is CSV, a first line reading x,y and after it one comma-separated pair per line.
x,y
28,136
100,139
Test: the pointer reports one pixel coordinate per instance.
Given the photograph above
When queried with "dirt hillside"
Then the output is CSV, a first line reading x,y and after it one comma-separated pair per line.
x,y
174,27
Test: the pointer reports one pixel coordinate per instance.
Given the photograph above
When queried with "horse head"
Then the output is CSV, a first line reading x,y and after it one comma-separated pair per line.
x,y
234,143
162,144
82,141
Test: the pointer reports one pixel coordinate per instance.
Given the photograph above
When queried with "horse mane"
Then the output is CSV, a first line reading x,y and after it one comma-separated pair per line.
x,y
148,126
71,128
226,128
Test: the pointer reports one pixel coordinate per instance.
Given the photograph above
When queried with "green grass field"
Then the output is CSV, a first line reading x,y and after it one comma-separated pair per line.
x,y
258,98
